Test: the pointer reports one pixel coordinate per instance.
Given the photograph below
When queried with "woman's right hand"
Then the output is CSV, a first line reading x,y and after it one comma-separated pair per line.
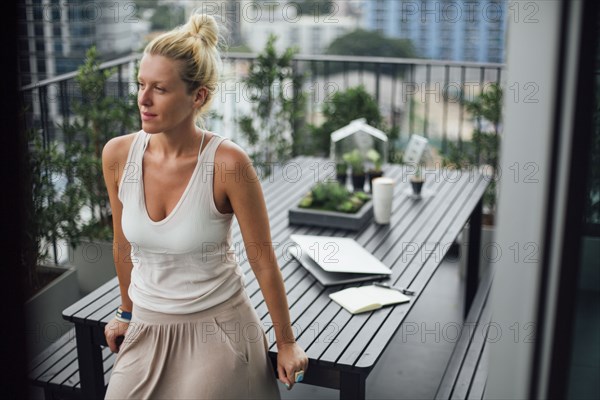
x,y
112,331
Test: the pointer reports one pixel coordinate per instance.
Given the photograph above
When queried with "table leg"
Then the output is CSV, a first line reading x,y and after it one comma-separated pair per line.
x,y
473,258
352,386
91,371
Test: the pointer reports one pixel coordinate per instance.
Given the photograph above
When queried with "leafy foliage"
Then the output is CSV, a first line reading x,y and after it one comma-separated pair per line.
x,y
344,107
361,42
355,159
99,116
272,129
484,146
51,210
333,196
374,158
371,43
314,7
167,16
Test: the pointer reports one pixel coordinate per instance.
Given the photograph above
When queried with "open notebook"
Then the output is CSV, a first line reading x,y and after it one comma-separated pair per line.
x,y
367,298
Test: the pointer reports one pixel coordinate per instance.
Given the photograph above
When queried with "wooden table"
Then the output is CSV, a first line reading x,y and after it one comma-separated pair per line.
x,y
342,348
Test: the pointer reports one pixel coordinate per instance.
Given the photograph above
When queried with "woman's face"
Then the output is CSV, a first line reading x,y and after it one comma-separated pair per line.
x,y
163,100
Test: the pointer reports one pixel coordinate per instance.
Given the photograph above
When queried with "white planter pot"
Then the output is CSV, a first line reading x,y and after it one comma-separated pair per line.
x,y
489,252
94,263
44,310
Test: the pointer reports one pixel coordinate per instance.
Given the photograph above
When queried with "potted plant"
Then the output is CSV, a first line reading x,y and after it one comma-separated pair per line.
x,y
98,116
49,287
375,166
417,180
331,204
341,172
355,159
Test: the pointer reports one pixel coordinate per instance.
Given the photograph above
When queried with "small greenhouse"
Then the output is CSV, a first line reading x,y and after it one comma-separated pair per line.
x,y
358,135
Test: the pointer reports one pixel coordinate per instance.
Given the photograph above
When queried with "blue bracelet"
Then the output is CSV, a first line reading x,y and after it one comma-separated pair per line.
x,y
123,315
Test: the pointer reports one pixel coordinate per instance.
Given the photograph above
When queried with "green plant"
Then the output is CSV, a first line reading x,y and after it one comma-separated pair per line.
x,y
483,149
51,210
418,176
333,196
362,42
272,126
99,116
375,158
341,167
344,107
355,159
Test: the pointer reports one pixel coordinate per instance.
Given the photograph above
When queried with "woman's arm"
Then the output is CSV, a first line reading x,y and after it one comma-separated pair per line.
x,y
114,156
245,195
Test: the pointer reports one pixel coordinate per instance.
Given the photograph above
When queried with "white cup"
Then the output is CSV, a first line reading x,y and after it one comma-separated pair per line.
x,y
383,188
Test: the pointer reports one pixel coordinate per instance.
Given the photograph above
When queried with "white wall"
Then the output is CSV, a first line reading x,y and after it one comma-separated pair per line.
x,y
531,60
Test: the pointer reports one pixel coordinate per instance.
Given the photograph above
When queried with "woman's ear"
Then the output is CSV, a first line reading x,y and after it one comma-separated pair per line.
x,y
201,95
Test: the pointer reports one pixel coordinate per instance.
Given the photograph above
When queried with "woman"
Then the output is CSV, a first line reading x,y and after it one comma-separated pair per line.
x,y
190,329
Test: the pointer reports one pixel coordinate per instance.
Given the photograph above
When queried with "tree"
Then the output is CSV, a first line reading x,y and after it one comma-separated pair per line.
x,y
344,107
99,116
314,7
167,17
277,105
371,43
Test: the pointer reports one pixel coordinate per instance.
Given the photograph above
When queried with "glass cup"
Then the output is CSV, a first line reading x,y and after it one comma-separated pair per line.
x,y
383,189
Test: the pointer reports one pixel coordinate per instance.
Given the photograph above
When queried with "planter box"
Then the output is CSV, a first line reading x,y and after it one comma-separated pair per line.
x,y
44,310
94,263
332,219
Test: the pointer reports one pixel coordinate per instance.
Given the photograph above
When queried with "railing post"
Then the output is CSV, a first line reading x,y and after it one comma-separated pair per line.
x,y
427,83
461,106
445,109
411,108
377,78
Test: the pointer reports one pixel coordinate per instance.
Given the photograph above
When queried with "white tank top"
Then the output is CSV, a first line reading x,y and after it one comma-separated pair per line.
x,y
184,263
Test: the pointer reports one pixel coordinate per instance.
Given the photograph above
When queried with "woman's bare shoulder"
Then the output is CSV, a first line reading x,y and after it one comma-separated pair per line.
x,y
230,154
117,148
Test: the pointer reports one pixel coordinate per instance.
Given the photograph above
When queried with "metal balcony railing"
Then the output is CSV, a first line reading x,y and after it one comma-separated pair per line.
x,y
414,95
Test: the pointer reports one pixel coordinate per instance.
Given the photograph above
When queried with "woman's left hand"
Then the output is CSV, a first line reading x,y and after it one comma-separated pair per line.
x,y
290,359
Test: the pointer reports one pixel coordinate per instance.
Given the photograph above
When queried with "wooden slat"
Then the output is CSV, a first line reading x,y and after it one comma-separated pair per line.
x,y
380,250
312,310
84,302
473,354
422,228
64,342
479,382
474,319
396,314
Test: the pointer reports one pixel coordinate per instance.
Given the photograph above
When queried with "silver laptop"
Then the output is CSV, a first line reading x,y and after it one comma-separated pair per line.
x,y
337,260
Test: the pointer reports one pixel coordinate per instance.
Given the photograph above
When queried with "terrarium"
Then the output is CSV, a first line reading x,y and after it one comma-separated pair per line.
x,y
361,148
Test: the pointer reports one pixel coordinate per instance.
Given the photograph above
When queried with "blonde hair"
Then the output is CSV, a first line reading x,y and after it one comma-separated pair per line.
x,y
195,46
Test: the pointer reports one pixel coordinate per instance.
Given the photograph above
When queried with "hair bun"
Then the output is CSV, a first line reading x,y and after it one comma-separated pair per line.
x,y
204,27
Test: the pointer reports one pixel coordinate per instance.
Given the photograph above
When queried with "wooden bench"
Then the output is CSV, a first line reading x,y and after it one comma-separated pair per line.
x,y
56,369
466,373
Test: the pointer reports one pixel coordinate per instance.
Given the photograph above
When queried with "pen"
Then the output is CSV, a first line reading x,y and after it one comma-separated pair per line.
x,y
401,290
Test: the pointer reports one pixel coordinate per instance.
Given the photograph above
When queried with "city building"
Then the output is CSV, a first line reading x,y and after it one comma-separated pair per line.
x,y
54,35
456,30
309,27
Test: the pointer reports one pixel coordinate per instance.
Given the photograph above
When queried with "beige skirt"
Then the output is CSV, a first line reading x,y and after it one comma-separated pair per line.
x,y
218,353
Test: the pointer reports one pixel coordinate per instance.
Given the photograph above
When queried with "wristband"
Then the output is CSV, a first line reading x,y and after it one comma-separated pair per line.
x,y
123,316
